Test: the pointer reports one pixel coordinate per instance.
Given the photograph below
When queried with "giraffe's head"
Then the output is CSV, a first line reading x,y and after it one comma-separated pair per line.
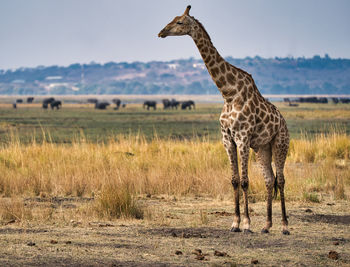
x,y
180,25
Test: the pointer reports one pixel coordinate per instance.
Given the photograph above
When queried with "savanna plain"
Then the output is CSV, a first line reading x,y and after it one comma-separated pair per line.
x,y
131,187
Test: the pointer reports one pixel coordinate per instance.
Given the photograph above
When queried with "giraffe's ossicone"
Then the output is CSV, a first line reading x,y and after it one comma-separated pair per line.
x,y
247,121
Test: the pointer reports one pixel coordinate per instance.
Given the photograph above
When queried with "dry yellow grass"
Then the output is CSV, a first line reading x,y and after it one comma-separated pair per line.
x,y
314,168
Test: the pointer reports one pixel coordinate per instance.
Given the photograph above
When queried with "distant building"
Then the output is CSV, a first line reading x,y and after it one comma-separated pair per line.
x,y
173,66
198,66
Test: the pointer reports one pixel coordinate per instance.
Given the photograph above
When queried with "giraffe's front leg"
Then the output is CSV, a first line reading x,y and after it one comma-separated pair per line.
x,y
244,156
237,216
231,150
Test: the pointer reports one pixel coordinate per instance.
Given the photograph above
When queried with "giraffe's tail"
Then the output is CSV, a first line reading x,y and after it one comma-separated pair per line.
x,y
275,187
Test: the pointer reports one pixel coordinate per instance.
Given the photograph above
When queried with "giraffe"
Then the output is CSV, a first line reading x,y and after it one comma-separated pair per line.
x,y
247,121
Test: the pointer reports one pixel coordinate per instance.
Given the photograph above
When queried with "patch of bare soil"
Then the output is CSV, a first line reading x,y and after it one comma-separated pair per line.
x,y
181,232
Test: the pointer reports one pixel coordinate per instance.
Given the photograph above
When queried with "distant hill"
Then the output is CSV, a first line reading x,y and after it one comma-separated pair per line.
x,y
317,75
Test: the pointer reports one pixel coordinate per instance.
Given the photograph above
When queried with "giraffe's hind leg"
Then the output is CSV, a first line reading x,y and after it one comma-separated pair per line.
x,y
280,147
264,157
231,150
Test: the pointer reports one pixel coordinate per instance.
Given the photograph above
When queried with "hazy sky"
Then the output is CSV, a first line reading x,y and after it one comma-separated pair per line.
x,y
62,32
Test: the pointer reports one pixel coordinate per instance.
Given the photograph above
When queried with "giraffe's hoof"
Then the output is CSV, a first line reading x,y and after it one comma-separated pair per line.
x,y
265,231
285,232
235,229
247,231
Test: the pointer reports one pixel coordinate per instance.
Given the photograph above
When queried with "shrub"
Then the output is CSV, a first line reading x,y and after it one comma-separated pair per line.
x,y
14,209
311,197
116,201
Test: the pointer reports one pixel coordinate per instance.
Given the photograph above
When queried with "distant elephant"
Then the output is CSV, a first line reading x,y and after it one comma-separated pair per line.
x,y
166,103
323,100
117,101
335,100
101,105
30,99
47,101
56,104
19,100
174,103
149,104
344,100
188,104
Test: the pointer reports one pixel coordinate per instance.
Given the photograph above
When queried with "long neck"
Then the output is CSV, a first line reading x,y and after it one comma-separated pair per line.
x,y
230,80
214,62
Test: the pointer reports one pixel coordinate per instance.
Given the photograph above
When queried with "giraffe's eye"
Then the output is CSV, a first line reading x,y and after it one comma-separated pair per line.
x,y
180,23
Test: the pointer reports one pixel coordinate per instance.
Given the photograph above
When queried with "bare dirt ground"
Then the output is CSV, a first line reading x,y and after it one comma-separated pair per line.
x,y
181,232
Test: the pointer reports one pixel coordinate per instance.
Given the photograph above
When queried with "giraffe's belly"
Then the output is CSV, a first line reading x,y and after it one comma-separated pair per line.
x,y
255,126
239,130
252,133
262,135
256,142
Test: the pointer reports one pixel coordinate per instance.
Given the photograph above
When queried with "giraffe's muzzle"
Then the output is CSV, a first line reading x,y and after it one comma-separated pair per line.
x,y
162,33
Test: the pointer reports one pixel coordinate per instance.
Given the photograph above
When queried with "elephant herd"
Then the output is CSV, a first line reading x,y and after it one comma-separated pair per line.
x,y
319,100
54,104
19,100
170,104
149,104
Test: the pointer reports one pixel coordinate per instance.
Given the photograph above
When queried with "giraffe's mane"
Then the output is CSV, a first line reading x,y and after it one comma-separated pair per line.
x,y
207,35
202,27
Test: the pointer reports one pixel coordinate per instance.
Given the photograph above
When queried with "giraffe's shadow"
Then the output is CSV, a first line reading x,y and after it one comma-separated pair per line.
x,y
187,232
222,236
326,218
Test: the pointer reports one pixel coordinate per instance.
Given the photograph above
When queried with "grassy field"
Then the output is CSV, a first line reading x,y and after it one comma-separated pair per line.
x,y
150,188
75,121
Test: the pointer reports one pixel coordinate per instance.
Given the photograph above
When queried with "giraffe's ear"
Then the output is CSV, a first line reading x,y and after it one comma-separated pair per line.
x,y
187,11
